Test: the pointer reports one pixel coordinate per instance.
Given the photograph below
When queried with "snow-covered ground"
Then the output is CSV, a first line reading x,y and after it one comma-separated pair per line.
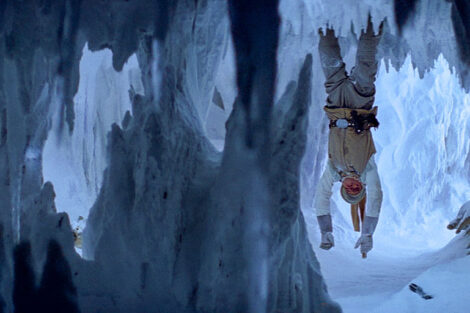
x,y
380,282
422,147
448,284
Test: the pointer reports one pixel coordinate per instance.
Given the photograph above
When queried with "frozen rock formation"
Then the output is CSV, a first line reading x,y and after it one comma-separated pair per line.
x,y
38,66
102,100
219,237
55,292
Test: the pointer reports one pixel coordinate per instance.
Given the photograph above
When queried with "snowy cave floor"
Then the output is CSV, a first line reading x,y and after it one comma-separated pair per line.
x,y
379,284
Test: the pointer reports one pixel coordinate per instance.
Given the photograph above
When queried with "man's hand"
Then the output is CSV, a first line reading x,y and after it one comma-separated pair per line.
x,y
462,221
463,225
327,241
365,242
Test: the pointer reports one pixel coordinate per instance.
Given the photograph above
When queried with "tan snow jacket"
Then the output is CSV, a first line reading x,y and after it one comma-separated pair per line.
x,y
347,150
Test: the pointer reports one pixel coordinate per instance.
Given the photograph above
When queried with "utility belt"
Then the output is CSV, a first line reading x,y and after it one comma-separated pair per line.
x,y
360,122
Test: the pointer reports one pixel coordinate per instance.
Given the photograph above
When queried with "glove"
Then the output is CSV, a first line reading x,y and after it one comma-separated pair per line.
x,y
326,228
327,241
365,242
462,221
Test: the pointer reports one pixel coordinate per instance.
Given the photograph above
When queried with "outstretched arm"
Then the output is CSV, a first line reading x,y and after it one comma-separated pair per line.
x,y
324,191
374,189
374,202
462,221
322,206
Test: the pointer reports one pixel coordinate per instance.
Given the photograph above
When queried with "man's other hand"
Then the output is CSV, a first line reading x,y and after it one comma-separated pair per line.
x,y
462,221
327,241
365,242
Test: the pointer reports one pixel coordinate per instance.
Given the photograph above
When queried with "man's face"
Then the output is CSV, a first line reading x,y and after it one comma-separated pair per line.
x,y
352,186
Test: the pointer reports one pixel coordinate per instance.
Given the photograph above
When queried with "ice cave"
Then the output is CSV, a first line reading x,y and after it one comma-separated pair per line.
x,y
161,156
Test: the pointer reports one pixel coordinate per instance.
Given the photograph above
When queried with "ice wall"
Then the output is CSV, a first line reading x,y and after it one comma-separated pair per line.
x,y
425,167
220,242
75,162
37,69
158,232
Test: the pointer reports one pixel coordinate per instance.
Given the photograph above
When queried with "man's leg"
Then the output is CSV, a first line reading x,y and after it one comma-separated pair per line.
x,y
365,70
331,61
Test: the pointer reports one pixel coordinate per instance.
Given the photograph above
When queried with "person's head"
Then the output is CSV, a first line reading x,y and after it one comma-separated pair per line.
x,y
352,189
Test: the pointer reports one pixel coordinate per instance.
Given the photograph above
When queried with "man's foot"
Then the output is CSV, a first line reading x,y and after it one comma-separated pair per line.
x,y
370,29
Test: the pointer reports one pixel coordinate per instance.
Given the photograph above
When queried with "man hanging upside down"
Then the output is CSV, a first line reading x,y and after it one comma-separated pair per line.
x,y
350,144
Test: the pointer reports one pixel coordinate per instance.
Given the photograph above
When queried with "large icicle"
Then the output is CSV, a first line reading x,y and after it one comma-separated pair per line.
x,y
182,219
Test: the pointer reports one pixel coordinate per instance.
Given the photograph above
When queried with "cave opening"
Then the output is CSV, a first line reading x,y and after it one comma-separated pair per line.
x,y
75,162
